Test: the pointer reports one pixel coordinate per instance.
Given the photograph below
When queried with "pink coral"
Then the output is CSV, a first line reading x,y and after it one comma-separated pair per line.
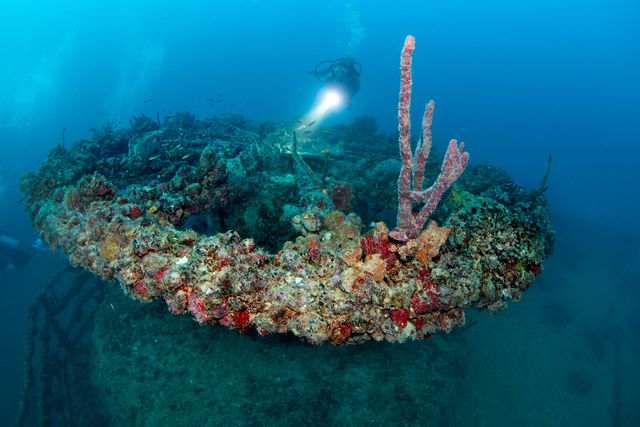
x,y
400,316
197,308
378,245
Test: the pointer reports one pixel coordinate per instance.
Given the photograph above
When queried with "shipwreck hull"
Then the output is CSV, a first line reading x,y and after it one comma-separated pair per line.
x,y
128,205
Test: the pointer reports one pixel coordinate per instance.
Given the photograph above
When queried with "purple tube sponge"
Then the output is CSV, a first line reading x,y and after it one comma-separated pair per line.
x,y
409,223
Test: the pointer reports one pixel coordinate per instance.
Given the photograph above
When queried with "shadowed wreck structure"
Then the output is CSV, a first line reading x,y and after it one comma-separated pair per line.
x,y
255,228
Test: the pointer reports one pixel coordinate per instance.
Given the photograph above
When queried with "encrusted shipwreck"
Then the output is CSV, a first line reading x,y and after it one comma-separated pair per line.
x,y
153,207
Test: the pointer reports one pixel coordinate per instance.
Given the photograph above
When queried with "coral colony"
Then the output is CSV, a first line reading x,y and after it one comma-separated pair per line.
x,y
154,207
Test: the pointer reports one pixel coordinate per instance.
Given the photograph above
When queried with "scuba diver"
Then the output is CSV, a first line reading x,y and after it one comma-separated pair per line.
x,y
343,73
13,253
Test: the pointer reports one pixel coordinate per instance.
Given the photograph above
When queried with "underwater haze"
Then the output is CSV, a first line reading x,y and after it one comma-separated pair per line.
x,y
517,81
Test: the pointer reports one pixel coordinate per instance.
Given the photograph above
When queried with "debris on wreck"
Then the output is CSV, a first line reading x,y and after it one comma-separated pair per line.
x,y
213,217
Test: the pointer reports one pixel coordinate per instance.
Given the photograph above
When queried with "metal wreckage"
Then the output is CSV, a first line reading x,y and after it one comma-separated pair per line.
x,y
132,205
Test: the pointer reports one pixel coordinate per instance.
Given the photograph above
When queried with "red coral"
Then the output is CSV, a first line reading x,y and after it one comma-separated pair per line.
x,y
419,306
346,328
223,260
160,274
535,268
435,303
313,253
198,309
370,244
313,247
339,332
141,290
400,316
419,323
247,246
260,258
135,212
423,276
241,320
378,245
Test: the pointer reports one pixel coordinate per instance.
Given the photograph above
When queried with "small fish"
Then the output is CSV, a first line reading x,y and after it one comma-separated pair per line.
x,y
154,157
308,131
312,123
186,157
169,117
326,151
327,130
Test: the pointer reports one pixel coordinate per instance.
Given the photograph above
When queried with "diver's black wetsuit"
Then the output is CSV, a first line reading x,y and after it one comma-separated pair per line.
x,y
12,253
343,72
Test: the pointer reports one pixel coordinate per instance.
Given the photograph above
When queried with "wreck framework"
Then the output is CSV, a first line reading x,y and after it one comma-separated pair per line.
x,y
334,282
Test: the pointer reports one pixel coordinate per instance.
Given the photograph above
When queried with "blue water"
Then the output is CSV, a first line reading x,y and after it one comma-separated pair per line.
x,y
516,81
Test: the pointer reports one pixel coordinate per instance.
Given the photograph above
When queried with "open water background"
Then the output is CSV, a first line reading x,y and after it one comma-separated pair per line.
x,y
516,80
